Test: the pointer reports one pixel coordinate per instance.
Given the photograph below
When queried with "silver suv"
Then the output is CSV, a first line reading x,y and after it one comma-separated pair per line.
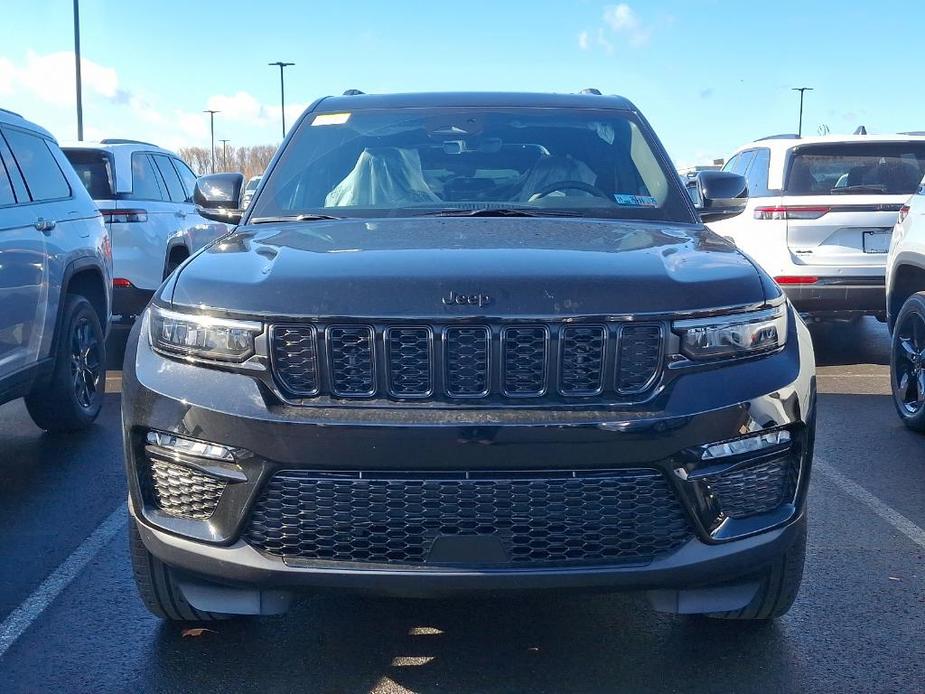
x,y
905,305
55,283
144,193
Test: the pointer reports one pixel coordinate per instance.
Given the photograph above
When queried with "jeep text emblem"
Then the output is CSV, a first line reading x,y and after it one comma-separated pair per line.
x,y
455,299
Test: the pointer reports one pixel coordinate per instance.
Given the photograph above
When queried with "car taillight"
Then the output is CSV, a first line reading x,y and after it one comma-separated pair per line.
x,y
121,283
791,212
796,279
903,213
110,216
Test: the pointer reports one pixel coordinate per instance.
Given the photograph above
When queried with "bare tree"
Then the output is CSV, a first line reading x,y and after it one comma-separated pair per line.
x,y
250,161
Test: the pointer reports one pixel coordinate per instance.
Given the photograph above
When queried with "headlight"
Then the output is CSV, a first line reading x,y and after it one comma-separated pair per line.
x,y
734,335
204,337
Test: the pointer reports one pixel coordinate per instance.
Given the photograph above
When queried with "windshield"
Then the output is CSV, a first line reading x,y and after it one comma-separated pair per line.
x,y
404,162
884,168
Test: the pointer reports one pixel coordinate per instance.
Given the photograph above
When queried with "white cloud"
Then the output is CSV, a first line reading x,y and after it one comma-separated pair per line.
x,y
620,24
50,77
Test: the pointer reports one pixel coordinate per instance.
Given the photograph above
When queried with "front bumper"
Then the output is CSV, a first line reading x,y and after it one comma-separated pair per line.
x,y
700,407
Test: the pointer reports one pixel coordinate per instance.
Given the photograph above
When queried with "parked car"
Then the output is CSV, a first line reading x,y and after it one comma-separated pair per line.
x,y
820,214
905,281
55,282
469,342
145,195
249,191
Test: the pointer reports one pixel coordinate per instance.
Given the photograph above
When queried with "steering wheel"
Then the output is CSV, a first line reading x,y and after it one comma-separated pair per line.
x,y
570,185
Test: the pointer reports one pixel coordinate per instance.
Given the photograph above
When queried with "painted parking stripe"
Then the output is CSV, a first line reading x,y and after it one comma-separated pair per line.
x,y
29,610
885,511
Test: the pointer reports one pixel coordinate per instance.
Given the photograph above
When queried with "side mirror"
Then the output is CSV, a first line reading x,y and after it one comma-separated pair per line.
x,y
718,194
217,197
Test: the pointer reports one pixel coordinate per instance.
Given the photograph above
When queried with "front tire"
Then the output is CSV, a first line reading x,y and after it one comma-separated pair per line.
x,y
907,362
73,396
157,586
779,586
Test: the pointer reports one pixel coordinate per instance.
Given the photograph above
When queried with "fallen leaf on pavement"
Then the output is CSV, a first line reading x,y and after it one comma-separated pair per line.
x,y
196,632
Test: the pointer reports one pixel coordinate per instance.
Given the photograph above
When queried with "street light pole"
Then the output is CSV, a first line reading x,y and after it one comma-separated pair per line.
x,y
80,108
225,153
282,91
802,90
212,129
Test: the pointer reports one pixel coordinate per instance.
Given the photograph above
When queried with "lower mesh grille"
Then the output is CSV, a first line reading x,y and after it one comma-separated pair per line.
x,y
182,491
555,519
755,489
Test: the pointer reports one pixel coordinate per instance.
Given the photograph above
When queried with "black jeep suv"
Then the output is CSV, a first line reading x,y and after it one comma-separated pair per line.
x,y
469,342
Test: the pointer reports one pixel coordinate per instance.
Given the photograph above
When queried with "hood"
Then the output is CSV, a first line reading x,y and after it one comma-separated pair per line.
x,y
419,267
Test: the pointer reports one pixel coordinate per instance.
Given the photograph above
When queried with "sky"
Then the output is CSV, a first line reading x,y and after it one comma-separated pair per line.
x,y
709,75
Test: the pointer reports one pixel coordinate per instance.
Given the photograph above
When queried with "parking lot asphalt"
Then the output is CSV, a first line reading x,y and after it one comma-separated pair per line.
x,y
70,619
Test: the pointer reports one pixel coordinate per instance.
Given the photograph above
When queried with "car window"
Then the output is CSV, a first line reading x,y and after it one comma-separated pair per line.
x,y
145,185
170,177
742,162
38,166
757,175
732,163
94,169
186,176
6,188
406,162
866,168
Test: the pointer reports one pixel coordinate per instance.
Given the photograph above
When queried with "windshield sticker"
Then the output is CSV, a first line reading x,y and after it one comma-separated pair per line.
x,y
331,119
635,200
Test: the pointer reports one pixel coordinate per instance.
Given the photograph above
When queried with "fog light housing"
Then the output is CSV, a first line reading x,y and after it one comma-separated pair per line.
x,y
198,449
746,444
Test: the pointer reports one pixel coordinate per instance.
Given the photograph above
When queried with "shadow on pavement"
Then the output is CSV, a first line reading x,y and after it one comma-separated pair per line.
x,y
844,344
582,643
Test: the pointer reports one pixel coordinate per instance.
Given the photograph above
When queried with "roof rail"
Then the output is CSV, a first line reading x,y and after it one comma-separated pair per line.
x,y
861,130
12,113
918,133
782,136
590,90
352,92
122,141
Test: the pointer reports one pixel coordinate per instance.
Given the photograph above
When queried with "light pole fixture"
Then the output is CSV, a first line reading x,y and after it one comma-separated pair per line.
x,y
80,108
224,153
212,130
282,91
802,91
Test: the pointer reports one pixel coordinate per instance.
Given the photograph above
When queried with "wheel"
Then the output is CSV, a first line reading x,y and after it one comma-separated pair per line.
x,y
73,396
778,589
173,262
157,587
907,362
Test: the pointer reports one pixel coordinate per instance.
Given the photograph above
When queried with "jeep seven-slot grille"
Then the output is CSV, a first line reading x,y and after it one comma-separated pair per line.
x,y
507,361
514,519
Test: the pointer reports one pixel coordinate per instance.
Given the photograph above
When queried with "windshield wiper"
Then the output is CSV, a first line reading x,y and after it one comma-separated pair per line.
x,y
502,212
293,218
871,188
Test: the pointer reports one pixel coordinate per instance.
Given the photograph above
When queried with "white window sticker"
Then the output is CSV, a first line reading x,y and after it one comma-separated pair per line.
x,y
331,119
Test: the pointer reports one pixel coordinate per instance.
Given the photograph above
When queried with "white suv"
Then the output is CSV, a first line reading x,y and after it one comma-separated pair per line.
x,y
145,195
905,282
820,214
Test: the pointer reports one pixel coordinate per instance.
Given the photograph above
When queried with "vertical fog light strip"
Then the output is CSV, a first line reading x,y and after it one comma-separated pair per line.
x,y
748,444
201,449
